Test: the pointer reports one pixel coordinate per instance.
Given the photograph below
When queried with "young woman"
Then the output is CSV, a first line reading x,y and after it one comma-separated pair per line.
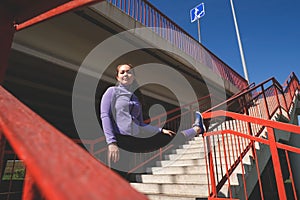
x,y
123,124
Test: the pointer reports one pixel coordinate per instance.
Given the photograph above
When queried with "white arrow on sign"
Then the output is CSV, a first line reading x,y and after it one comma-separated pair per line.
x,y
197,12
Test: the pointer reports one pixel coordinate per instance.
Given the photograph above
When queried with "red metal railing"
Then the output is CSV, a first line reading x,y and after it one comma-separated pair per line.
x,y
37,146
14,186
64,7
56,168
291,85
33,144
145,13
240,103
226,156
265,101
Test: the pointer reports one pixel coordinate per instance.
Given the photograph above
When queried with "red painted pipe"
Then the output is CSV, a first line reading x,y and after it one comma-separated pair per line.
x,y
59,168
71,5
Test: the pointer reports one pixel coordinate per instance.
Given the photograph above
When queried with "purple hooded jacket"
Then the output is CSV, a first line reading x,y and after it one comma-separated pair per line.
x,y
121,113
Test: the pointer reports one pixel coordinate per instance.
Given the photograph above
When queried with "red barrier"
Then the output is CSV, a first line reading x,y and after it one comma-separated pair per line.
x,y
71,5
271,141
73,174
250,129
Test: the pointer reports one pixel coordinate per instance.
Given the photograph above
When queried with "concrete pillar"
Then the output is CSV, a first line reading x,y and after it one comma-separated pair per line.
x,y
6,37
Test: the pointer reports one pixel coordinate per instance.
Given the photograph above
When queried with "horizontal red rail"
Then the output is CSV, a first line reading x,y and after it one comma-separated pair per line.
x,y
73,174
254,120
66,7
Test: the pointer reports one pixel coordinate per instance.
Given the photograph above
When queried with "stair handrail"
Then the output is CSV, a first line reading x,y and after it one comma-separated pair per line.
x,y
264,122
289,78
51,174
289,92
239,94
270,141
251,93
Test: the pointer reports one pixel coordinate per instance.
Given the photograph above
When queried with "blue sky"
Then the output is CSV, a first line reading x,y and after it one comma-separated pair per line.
x,y
269,30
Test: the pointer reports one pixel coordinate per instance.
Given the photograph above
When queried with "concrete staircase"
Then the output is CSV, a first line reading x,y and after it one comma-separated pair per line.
x,y
182,175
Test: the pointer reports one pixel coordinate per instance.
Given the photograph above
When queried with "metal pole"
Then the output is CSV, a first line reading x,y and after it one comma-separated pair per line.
x,y
199,33
239,42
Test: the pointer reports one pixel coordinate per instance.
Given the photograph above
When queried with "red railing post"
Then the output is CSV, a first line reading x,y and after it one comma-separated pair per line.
x,y
276,164
277,97
258,177
285,103
293,85
291,175
250,132
265,101
211,168
30,189
66,7
284,96
2,149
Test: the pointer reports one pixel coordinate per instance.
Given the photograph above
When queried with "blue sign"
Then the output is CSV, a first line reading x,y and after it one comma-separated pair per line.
x,y
197,12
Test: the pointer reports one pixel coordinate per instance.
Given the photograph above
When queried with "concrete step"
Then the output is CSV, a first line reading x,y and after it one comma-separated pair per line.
x,y
200,155
193,145
228,143
198,169
198,138
185,156
200,162
200,142
190,190
188,150
174,179
192,162
168,197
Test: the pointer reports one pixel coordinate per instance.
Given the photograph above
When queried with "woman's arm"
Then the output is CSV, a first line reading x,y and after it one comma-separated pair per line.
x,y
106,116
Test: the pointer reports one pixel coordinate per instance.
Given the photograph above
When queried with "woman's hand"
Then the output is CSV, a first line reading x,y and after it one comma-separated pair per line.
x,y
113,153
168,132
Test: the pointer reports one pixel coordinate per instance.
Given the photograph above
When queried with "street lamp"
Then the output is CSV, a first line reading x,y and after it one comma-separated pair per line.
x,y
239,42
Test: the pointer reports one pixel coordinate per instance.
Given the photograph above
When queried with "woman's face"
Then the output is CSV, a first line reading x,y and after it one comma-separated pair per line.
x,y
125,75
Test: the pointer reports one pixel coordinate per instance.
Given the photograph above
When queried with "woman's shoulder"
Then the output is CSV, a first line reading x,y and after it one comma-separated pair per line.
x,y
109,92
110,89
